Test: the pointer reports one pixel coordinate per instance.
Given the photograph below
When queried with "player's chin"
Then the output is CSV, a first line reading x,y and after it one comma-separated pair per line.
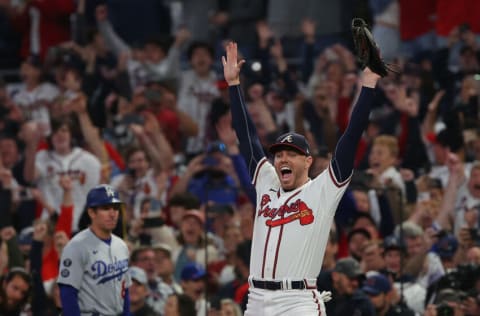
x,y
111,225
288,185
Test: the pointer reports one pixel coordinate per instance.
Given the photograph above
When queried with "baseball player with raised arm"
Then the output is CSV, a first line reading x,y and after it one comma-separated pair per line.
x,y
294,213
94,278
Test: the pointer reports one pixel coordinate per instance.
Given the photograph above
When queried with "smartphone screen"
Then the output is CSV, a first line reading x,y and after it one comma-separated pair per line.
x,y
150,222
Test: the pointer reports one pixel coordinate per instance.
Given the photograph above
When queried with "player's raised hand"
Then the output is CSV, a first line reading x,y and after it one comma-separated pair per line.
x,y
231,64
60,239
7,233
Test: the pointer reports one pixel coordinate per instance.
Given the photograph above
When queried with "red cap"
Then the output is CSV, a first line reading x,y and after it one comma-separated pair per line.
x,y
195,213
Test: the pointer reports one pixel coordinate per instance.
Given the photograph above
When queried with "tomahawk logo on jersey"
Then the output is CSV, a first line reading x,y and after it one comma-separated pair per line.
x,y
296,221
297,210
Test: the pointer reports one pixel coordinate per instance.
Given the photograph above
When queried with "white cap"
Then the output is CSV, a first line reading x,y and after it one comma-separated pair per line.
x,y
138,274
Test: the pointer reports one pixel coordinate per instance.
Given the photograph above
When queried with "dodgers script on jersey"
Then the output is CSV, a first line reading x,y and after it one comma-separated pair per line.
x,y
291,228
98,271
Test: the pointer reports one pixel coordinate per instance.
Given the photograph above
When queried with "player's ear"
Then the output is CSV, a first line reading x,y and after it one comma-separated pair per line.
x,y
91,212
309,161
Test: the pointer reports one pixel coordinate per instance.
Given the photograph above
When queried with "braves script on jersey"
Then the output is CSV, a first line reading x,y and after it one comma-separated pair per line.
x,y
291,228
98,271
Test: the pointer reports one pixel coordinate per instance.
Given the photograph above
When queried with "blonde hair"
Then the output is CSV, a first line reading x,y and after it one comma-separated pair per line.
x,y
388,141
236,308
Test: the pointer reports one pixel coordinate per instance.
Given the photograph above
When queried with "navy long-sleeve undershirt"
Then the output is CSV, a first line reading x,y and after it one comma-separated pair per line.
x,y
343,156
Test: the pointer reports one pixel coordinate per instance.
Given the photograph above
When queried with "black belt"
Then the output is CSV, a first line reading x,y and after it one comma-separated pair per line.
x,y
278,285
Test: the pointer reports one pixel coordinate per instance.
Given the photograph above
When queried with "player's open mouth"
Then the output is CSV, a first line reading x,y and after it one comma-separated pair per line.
x,y
286,172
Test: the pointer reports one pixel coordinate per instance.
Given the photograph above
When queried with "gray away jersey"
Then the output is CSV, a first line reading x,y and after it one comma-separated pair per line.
x,y
98,271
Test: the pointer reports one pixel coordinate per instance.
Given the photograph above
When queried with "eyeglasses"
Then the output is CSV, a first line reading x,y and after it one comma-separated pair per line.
x,y
143,259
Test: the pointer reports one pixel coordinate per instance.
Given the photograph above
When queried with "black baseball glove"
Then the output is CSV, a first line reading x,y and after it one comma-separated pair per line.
x,y
367,51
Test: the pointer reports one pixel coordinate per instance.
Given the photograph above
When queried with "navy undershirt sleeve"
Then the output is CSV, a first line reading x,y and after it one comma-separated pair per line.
x,y
344,154
69,298
249,142
126,304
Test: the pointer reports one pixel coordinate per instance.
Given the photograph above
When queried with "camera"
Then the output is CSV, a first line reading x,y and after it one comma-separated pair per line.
x,y
210,161
25,194
153,95
461,278
130,172
474,234
444,309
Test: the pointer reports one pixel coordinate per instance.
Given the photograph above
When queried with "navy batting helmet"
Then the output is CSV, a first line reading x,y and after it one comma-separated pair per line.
x,y
103,194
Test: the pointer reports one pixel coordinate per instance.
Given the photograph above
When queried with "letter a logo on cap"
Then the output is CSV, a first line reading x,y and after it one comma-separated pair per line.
x,y
288,138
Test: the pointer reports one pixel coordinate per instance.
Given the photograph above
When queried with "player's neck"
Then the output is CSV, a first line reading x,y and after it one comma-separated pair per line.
x,y
301,183
100,233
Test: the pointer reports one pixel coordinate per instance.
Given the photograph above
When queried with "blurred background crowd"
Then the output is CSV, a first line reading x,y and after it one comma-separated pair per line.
x,y
131,93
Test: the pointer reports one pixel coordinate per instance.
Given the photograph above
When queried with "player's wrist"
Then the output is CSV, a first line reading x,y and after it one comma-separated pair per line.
x,y
235,82
370,80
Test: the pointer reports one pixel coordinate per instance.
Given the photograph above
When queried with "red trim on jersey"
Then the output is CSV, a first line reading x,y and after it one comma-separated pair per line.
x,y
280,237
317,301
265,252
332,176
264,160
276,251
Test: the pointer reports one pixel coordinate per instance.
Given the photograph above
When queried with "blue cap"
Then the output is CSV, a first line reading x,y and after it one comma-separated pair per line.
x,y
376,284
26,236
292,141
446,247
103,194
393,243
192,271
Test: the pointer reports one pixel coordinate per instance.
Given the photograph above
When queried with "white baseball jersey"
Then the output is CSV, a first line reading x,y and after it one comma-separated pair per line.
x,y
98,271
34,104
83,168
143,187
291,228
195,99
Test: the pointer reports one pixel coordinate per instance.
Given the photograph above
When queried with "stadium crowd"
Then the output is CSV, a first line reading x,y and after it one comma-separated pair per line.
x,y
131,93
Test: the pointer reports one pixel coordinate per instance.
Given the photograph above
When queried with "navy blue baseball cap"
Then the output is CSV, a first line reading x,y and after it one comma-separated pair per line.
x,y
192,272
376,284
103,194
348,266
292,141
446,246
393,243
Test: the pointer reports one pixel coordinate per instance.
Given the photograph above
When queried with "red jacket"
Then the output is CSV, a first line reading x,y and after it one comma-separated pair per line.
x,y
53,24
51,258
